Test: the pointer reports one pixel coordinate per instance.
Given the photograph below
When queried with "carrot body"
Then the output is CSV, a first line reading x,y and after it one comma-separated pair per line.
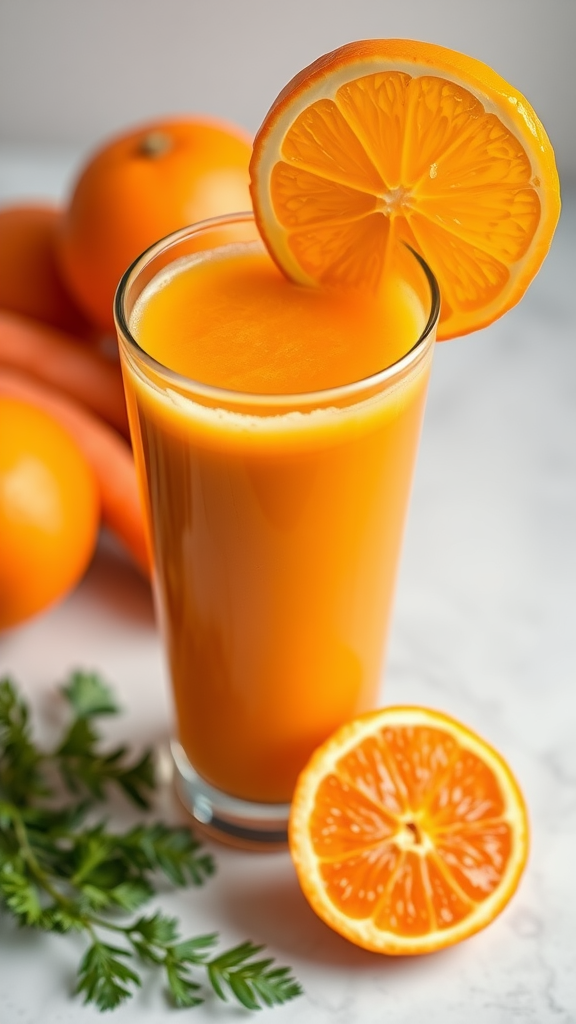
x,y
65,363
104,449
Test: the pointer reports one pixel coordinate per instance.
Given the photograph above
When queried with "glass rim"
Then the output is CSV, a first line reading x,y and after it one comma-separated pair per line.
x,y
230,396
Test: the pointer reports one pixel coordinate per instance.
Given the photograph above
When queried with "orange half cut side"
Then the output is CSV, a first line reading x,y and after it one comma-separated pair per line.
x,y
389,141
408,832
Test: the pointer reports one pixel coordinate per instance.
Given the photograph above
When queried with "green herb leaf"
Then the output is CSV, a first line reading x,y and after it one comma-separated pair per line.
x,y
84,769
174,851
157,930
194,951
89,696
103,977
62,875
58,919
20,776
20,894
252,981
131,895
183,990
136,780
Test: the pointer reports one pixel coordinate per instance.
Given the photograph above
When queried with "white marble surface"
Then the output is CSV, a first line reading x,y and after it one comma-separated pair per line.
x,y
484,629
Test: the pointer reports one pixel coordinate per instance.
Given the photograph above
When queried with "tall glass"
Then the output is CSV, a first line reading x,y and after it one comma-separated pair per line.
x,y
275,524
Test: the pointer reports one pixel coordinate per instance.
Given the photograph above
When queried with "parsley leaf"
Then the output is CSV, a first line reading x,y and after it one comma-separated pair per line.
x,y
19,759
103,977
88,695
253,982
60,874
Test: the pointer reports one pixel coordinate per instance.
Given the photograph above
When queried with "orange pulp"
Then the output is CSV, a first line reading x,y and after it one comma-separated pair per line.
x,y
275,536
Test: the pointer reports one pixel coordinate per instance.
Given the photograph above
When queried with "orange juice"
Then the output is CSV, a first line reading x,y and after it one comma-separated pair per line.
x,y
275,444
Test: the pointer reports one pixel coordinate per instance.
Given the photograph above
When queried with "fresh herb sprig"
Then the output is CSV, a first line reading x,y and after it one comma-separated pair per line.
x,y
61,873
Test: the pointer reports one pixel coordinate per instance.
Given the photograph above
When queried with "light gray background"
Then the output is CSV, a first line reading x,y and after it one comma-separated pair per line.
x,y
484,616
72,71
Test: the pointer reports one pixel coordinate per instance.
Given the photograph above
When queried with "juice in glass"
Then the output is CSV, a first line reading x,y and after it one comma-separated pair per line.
x,y
275,430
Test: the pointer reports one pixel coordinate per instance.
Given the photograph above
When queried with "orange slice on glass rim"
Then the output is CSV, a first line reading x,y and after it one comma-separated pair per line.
x,y
408,832
387,141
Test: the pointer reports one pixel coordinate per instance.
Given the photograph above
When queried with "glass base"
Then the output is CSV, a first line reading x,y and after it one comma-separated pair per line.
x,y
227,818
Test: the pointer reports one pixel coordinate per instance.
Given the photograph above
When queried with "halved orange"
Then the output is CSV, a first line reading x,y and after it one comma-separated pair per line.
x,y
387,141
408,831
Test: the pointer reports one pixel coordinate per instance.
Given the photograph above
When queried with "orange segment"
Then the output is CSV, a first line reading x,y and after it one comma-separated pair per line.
x,y
304,198
321,141
390,141
408,832
354,257
375,107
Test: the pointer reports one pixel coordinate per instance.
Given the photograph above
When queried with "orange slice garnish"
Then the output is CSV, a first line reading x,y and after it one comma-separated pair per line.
x,y
388,141
408,831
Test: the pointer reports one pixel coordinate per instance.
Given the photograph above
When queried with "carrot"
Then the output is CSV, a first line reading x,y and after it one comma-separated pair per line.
x,y
108,454
65,363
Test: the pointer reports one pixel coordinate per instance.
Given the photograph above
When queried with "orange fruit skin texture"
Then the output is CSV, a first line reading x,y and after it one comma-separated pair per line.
x,y
408,832
49,512
30,281
452,155
138,188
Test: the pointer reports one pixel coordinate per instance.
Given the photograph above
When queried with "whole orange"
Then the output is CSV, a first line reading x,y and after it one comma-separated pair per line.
x,y
49,511
30,282
141,186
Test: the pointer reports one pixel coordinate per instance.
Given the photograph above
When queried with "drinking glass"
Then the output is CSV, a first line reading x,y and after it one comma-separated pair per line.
x,y
275,524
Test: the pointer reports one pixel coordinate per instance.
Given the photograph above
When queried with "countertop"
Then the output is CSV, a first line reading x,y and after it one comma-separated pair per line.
x,y
483,629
